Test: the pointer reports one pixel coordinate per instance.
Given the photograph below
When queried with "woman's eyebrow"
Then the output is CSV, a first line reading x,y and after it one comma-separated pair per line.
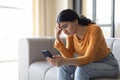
x,y
63,25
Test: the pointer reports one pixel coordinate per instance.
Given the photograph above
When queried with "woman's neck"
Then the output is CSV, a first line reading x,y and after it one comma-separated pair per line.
x,y
81,30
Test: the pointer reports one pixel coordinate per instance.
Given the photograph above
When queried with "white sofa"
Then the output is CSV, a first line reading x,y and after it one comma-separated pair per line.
x,y
32,65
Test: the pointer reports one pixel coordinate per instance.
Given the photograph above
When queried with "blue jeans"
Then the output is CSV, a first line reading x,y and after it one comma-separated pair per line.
x,y
107,67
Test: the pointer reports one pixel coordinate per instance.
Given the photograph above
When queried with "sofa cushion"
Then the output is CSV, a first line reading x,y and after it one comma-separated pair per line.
x,y
45,71
38,70
53,71
51,74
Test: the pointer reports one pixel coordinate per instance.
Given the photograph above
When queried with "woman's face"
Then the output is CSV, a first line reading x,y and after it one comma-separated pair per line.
x,y
69,28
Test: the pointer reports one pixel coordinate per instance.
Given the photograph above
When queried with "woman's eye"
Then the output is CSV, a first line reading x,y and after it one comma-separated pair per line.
x,y
64,26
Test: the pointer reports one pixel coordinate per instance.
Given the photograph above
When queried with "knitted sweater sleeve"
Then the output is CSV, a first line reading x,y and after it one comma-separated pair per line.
x,y
67,51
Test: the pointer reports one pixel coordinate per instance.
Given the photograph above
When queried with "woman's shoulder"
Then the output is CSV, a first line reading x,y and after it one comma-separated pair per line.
x,y
94,27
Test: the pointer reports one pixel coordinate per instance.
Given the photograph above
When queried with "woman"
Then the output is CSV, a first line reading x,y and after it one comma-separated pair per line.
x,y
84,38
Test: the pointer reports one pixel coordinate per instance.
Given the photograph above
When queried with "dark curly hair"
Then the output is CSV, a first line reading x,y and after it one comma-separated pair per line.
x,y
71,15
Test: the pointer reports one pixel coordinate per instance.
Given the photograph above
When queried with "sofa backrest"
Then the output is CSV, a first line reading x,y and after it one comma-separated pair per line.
x,y
114,45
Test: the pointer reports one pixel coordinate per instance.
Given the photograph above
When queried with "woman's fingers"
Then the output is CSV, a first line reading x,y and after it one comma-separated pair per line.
x,y
57,31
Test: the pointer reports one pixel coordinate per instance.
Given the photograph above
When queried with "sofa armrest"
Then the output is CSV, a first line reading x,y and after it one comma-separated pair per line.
x,y
30,51
23,59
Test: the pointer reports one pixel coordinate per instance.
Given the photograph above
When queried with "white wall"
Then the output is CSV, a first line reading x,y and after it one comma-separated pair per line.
x,y
63,4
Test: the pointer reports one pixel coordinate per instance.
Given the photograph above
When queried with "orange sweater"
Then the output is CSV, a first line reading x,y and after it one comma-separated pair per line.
x,y
91,48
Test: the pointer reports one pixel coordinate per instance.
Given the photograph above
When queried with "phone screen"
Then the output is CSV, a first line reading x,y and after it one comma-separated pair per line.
x,y
46,53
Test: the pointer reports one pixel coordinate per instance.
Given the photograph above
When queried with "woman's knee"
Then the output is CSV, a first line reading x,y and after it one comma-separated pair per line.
x,y
67,68
63,67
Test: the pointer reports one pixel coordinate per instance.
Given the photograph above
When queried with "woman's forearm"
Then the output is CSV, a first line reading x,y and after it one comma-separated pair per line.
x,y
72,61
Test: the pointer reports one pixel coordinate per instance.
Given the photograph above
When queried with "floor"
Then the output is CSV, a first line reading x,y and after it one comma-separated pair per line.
x,y
9,70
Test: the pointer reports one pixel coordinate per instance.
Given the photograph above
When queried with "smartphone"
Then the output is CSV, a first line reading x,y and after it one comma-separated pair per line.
x,y
46,53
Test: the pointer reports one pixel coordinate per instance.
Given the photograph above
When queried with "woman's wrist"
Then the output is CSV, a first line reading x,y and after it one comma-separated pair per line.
x,y
57,38
71,61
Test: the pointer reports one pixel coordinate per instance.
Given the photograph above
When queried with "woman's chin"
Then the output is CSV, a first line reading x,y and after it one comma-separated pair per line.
x,y
67,34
